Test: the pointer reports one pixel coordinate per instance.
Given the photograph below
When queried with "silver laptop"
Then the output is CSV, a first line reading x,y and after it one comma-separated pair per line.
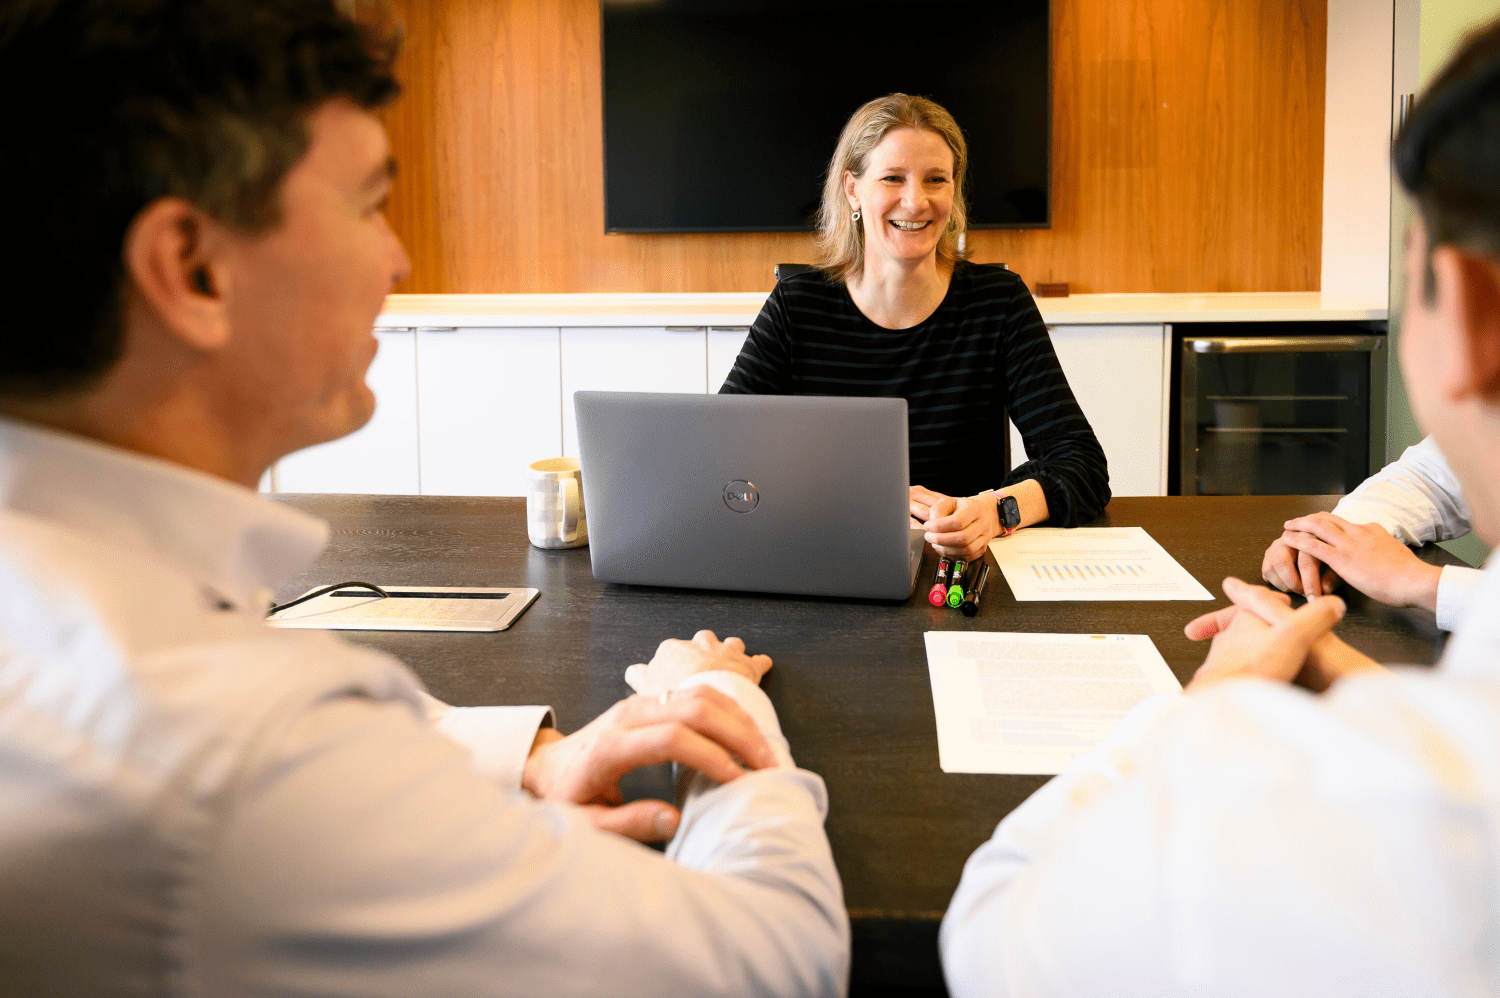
x,y
765,493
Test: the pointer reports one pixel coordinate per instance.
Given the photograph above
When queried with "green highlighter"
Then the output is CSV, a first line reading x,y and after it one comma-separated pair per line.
x,y
956,591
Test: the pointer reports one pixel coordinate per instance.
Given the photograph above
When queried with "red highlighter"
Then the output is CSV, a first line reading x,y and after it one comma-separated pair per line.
x,y
939,594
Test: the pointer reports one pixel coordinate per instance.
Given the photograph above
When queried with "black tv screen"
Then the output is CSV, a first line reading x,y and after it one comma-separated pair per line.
x,y
721,115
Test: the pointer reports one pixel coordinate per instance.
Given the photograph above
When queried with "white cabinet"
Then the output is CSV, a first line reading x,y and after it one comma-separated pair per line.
x,y
646,359
1119,374
463,411
382,456
724,343
489,404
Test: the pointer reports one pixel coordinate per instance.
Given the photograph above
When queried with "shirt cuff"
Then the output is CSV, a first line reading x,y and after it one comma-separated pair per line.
x,y
499,739
753,701
1456,588
1357,508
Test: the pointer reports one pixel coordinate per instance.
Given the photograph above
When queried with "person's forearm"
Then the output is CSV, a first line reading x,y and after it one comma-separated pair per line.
x,y
466,883
770,820
765,831
1031,501
1073,472
1416,498
530,781
1421,586
500,740
1331,660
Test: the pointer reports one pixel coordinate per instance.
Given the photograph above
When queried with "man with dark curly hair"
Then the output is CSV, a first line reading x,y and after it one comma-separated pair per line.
x,y
190,801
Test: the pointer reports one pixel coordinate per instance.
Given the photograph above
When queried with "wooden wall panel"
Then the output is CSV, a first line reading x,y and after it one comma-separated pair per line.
x,y
1187,155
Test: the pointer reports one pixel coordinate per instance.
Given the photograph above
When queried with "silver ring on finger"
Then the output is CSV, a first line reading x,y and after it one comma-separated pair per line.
x,y
665,696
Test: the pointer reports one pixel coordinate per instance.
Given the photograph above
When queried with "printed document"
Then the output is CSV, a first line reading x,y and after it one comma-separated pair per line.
x,y
1027,704
1105,563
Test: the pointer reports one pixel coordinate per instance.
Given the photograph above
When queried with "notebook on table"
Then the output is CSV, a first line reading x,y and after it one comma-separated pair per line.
x,y
760,493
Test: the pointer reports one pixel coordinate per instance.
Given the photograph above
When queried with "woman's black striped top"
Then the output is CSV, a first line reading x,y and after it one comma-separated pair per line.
x,y
984,353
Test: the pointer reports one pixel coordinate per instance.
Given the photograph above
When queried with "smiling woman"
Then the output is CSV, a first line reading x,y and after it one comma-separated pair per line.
x,y
894,311
911,134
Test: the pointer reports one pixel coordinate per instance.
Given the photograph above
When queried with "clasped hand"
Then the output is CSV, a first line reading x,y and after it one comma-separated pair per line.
x,y
1316,551
698,727
956,527
1261,635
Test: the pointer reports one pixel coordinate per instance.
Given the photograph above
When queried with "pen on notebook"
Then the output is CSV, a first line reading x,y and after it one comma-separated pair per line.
x,y
939,591
970,605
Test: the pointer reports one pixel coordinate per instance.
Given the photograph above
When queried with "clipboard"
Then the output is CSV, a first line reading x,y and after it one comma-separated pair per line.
x,y
408,608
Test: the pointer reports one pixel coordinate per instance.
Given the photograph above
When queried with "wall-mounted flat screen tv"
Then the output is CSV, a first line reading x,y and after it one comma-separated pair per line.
x,y
721,115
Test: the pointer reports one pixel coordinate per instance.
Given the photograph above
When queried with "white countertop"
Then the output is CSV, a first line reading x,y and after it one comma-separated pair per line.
x,y
740,309
573,310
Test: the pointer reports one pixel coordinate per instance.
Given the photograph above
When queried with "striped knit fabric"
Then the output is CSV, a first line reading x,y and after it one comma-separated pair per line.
x,y
983,353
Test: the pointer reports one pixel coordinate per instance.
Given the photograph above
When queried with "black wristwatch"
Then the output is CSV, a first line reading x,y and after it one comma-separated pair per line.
x,y
1010,513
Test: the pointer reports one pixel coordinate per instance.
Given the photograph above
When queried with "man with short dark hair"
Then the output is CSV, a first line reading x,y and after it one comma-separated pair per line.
x,y
1256,838
190,801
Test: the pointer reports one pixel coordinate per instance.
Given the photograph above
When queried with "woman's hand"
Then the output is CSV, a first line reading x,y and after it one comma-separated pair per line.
x,y
964,527
922,500
956,527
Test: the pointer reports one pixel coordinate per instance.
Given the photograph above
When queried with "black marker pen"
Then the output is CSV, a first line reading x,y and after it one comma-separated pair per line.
x,y
970,605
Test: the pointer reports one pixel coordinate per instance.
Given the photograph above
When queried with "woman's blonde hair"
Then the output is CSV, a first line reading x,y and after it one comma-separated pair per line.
x,y
841,240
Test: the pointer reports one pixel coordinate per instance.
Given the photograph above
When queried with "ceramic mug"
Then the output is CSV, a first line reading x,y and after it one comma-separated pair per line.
x,y
554,504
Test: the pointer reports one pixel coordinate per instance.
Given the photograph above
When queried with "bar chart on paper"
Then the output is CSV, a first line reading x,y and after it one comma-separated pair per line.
x,y
1106,563
1063,573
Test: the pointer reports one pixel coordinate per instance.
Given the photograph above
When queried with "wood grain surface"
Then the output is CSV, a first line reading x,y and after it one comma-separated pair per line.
x,y
1187,155
849,682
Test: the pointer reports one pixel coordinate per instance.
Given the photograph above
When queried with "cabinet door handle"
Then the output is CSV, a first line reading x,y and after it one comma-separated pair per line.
x,y
437,329
728,329
392,329
1284,344
684,329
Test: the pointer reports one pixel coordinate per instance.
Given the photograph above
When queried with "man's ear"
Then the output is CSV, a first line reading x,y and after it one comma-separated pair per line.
x,y
172,255
1472,285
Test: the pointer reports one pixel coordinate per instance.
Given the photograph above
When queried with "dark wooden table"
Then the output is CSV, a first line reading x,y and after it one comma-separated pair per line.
x,y
849,683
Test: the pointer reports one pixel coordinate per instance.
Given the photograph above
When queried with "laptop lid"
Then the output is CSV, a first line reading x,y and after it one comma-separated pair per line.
x,y
763,493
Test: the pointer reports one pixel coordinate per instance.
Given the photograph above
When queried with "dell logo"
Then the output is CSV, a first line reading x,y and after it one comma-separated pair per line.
x,y
741,496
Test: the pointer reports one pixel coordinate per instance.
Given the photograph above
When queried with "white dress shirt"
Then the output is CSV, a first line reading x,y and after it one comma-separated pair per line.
x,y
1257,840
194,803
1418,500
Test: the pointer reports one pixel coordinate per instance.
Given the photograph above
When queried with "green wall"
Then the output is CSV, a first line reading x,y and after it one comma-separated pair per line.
x,y
1442,25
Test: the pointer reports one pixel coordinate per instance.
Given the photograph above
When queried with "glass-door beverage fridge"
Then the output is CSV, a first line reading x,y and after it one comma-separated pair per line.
x,y
1292,414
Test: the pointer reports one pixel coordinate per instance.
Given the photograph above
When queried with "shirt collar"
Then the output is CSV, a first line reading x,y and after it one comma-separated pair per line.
x,y
236,542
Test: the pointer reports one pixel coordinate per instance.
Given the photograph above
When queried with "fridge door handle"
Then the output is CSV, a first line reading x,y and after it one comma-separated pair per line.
x,y
1284,344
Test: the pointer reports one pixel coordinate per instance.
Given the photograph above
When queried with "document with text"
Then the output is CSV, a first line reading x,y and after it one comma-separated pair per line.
x,y
1027,704
1104,563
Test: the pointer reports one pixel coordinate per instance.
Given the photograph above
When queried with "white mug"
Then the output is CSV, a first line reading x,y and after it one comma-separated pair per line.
x,y
554,504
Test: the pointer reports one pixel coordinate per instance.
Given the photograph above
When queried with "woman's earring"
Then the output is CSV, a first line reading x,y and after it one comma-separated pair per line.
x,y
855,216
